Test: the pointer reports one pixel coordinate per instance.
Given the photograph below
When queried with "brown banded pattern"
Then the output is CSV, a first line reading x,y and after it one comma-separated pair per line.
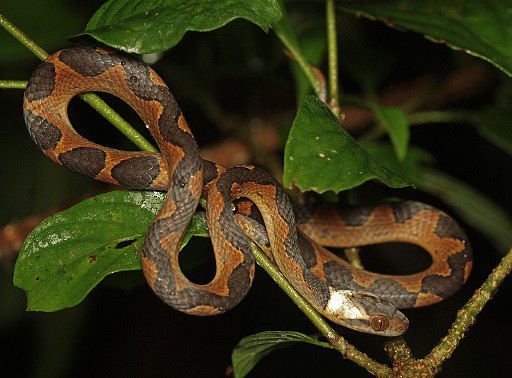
x,y
355,298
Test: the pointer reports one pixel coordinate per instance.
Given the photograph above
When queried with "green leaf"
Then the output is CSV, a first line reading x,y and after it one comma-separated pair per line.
x,y
252,349
495,126
410,168
395,121
320,155
69,253
156,25
482,28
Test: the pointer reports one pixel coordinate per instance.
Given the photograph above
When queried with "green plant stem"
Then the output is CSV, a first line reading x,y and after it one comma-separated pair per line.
x,y
23,38
13,84
92,99
119,122
437,116
339,343
466,316
300,59
332,57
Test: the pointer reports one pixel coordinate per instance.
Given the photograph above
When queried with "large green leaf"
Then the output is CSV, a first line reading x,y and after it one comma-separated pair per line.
x,y
253,348
479,27
71,252
148,26
320,155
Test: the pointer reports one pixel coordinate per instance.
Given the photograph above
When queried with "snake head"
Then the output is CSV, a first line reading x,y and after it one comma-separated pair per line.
x,y
366,313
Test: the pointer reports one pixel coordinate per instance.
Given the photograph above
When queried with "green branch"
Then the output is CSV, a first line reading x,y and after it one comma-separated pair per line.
x,y
466,316
300,59
93,100
332,57
440,116
119,122
23,38
13,84
339,343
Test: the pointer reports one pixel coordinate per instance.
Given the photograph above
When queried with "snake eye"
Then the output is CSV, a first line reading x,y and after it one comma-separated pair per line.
x,y
379,323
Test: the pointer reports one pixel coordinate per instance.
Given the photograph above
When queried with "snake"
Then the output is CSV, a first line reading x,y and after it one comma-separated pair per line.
x,y
244,205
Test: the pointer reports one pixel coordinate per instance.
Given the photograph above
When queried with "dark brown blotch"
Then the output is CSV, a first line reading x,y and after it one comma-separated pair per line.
x,y
319,289
41,83
447,228
403,211
307,251
137,172
86,61
338,275
210,171
355,216
443,286
87,161
43,132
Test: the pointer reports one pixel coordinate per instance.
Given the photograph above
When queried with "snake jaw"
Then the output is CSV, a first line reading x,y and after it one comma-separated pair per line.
x,y
367,313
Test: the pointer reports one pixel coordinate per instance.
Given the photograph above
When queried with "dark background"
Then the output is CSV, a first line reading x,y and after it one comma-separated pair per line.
x,y
122,328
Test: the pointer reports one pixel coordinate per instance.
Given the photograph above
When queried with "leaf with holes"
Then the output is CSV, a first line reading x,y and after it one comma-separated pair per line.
x,y
71,252
253,348
320,155
482,28
150,26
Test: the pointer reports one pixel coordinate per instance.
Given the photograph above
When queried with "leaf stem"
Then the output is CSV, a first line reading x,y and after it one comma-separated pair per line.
x,y
338,342
92,99
332,57
300,59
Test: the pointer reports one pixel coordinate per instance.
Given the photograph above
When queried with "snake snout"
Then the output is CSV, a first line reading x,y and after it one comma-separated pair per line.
x,y
366,313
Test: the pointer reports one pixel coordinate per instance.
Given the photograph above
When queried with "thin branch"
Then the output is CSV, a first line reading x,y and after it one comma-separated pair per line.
x,y
332,56
23,38
437,116
466,316
13,84
93,100
339,343
119,122
301,60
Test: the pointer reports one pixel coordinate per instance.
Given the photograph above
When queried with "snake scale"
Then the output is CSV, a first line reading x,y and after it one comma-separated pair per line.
x,y
357,299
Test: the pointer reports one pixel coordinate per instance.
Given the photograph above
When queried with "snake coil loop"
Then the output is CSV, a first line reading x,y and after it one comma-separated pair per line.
x,y
358,299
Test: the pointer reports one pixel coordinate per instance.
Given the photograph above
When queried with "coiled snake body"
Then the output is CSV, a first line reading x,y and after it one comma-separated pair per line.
x,y
358,299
